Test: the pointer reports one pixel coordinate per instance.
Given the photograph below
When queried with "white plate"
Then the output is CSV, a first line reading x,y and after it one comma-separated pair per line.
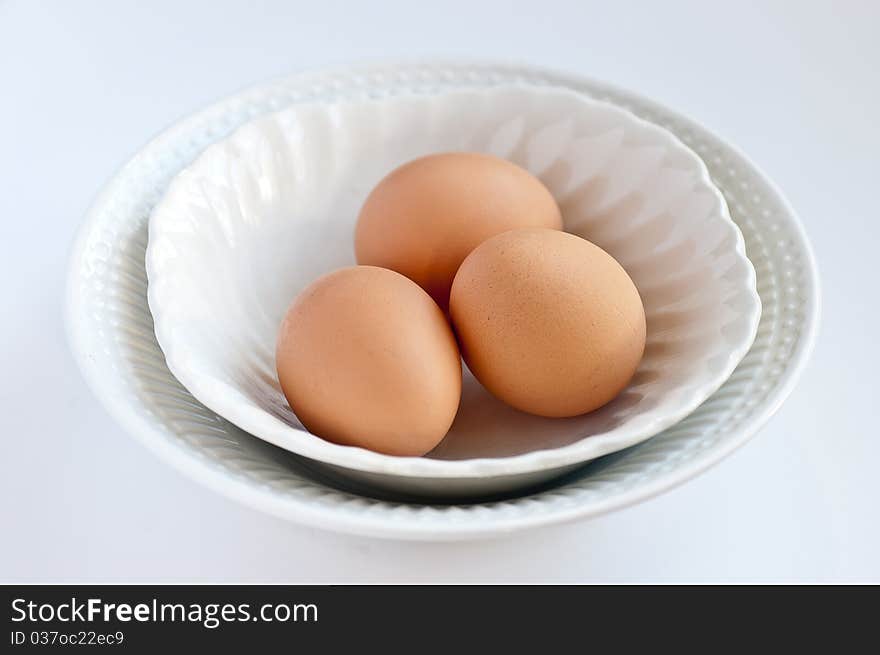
x,y
111,330
260,215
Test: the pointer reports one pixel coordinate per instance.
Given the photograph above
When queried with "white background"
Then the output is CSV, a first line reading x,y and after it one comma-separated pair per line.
x,y
84,84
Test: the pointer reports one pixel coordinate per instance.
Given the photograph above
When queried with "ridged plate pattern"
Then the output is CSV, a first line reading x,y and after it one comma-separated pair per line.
x,y
261,214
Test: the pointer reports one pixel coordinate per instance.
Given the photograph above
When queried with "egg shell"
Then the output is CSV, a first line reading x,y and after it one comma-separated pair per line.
x,y
426,216
366,358
547,321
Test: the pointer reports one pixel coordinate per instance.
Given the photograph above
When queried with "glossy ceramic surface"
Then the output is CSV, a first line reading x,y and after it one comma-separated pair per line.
x,y
261,214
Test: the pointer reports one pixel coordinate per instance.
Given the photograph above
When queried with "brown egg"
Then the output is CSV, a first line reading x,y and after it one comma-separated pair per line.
x,y
548,322
425,217
366,358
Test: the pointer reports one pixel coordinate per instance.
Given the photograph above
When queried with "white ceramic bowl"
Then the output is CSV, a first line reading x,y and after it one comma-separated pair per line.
x,y
260,215
111,329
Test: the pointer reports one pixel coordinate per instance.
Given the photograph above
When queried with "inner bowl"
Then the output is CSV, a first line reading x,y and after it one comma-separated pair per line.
x,y
261,214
